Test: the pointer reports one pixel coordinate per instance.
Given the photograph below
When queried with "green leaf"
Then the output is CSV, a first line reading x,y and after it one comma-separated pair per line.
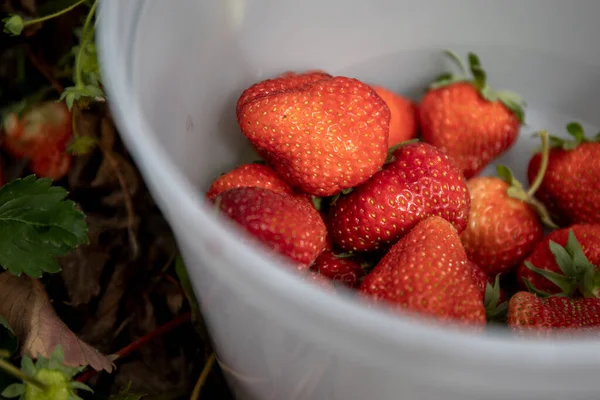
x,y
8,339
74,94
479,74
576,130
456,59
80,386
563,259
317,202
37,224
505,173
13,25
82,145
563,282
534,290
184,280
494,311
515,190
14,390
27,366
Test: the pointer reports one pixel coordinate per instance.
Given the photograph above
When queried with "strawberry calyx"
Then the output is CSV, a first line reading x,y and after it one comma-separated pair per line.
x,y
517,191
478,78
579,276
494,310
390,157
578,137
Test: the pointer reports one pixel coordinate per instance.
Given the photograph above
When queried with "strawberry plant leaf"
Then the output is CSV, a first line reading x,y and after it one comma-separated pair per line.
x,y
37,224
564,283
576,130
14,390
534,290
317,202
456,59
563,259
13,25
8,339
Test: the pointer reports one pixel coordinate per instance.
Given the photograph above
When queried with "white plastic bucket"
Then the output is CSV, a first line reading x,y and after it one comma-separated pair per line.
x,y
173,71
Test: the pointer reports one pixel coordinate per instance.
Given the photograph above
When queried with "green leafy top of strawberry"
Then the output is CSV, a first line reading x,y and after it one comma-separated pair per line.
x,y
47,379
576,131
478,78
494,310
579,276
517,191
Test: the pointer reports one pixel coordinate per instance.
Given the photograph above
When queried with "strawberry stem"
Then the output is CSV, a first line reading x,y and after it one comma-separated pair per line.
x,y
85,37
17,373
543,165
54,15
454,57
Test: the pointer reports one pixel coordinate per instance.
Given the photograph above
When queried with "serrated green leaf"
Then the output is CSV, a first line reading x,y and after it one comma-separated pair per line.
x,y
8,339
14,390
13,25
37,224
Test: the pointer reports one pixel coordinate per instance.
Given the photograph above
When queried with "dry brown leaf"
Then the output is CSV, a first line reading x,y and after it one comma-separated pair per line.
x,y
25,305
101,329
81,271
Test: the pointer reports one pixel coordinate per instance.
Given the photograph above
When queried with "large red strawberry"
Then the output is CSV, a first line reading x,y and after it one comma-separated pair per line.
x,y
248,175
529,314
321,137
338,268
42,135
284,223
426,272
504,220
469,121
566,261
419,181
287,81
571,185
403,116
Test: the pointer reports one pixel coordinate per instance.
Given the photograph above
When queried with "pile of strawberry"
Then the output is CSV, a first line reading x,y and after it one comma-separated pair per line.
x,y
360,187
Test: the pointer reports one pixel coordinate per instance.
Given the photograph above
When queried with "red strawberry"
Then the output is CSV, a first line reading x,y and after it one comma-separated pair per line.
x,y
504,225
322,137
282,83
41,135
571,185
338,269
466,119
528,313
426,272
567,261
321,281
249,175
419,182
492,294
403,125
284,223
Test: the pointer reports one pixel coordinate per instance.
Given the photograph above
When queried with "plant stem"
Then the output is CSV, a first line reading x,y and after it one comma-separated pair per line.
x,y
543,165
17,373
56,14
4,354
125,351
85,37
202,379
